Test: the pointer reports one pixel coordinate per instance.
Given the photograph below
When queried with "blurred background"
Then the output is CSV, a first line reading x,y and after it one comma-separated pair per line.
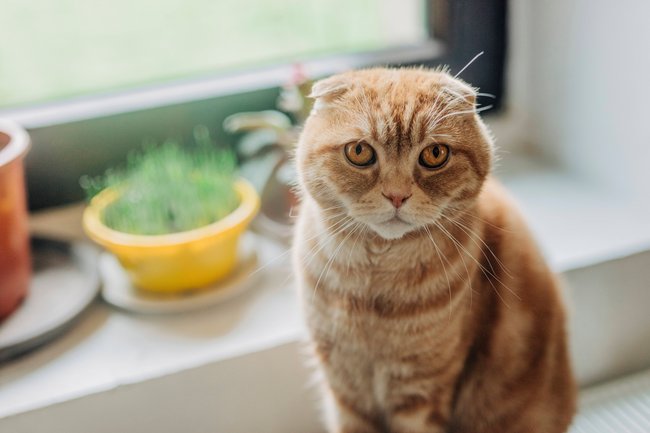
x,y
90,81
93,48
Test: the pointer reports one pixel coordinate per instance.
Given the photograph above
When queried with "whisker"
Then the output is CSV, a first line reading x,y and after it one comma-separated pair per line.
x,y
443,268
469,278
309,256
436,115
354,245
469,63
493,271
328,265
332,232
459,97
341,217
432,113
436,111
444,114
468,213
486,272
319,246
459,113
288,251
477,236
483,270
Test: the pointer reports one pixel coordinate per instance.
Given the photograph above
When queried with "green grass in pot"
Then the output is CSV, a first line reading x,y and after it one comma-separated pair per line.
x,y
167,188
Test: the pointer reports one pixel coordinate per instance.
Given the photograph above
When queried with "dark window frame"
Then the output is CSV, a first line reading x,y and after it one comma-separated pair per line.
x,y
85,135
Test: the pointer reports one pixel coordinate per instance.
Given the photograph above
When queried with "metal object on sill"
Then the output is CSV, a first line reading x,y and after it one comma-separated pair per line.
x,y
65,282
273,176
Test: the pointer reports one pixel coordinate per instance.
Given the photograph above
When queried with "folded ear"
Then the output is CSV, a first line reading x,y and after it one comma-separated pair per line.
x,y
330,88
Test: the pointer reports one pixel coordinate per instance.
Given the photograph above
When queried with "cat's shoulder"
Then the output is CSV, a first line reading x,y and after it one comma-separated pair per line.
x,y
494,198
497,207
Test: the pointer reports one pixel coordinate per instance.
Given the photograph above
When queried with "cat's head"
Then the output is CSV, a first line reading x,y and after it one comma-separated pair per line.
x,y
393,148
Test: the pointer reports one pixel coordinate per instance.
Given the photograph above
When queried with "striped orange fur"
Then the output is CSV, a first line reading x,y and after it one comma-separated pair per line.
x,y
429,306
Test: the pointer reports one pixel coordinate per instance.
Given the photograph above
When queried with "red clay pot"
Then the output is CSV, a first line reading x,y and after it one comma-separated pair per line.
x,y
15,262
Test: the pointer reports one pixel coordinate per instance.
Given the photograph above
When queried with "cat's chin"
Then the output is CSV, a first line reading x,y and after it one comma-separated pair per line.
x,y
392,230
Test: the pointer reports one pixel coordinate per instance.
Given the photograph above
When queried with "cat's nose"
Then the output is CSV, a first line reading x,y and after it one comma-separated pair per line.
x,y
397,199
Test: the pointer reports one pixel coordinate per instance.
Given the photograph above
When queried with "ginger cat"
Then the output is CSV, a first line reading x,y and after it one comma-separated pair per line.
x,y
428,304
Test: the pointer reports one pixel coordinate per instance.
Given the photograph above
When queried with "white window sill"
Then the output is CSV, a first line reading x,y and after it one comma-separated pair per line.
x,y
576,222
113,363
109,348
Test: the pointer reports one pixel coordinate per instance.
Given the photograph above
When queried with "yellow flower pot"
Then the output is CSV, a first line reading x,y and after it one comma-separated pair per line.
x,y
175,262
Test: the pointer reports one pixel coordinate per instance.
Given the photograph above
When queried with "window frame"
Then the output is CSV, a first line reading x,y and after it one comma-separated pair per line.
x,y
100,129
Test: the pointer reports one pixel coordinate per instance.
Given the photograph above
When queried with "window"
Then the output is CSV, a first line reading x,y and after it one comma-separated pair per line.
x,y
94,46
94,78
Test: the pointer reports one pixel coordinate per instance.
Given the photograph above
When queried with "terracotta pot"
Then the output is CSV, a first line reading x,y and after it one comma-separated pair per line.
x,y
15,262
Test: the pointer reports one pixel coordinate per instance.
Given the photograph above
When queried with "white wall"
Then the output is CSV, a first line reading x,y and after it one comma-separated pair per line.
x,y
579,87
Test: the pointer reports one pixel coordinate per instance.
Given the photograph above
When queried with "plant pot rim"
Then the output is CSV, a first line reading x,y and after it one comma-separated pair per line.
x,y
18,142
234,223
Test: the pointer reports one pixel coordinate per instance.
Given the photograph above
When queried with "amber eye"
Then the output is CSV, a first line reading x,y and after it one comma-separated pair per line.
x,y
434,156
360,154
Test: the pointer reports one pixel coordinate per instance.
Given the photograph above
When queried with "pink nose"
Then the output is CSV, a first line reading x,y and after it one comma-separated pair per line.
x,y
396,199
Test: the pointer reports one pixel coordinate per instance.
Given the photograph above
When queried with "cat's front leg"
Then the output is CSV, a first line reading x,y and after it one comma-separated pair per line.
x,y
418,399
343,415
418,415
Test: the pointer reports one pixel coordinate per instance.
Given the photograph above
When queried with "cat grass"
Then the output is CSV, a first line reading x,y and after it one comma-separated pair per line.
x,y
167,188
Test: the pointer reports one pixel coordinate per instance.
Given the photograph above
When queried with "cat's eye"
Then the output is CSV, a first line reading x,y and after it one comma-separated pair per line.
x,y
360,154
434,156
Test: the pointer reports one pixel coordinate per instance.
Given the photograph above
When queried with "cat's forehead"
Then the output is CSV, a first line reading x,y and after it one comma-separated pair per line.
x,y
390,86
395,107
396,86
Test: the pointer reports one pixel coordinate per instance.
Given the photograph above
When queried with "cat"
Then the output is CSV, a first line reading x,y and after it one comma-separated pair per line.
x,y
428,305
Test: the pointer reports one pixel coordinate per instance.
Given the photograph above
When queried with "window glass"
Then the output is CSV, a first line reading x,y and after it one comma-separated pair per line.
x,y
51,49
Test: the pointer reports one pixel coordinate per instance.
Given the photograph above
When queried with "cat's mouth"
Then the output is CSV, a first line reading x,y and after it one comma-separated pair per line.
x,y
396,219
394,227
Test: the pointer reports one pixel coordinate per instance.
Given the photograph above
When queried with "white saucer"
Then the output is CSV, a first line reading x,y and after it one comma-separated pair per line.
x,y
64,283
117,289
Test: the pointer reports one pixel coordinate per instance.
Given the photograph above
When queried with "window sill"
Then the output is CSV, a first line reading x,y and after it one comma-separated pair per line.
x,y
576,222
108,349
214,360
